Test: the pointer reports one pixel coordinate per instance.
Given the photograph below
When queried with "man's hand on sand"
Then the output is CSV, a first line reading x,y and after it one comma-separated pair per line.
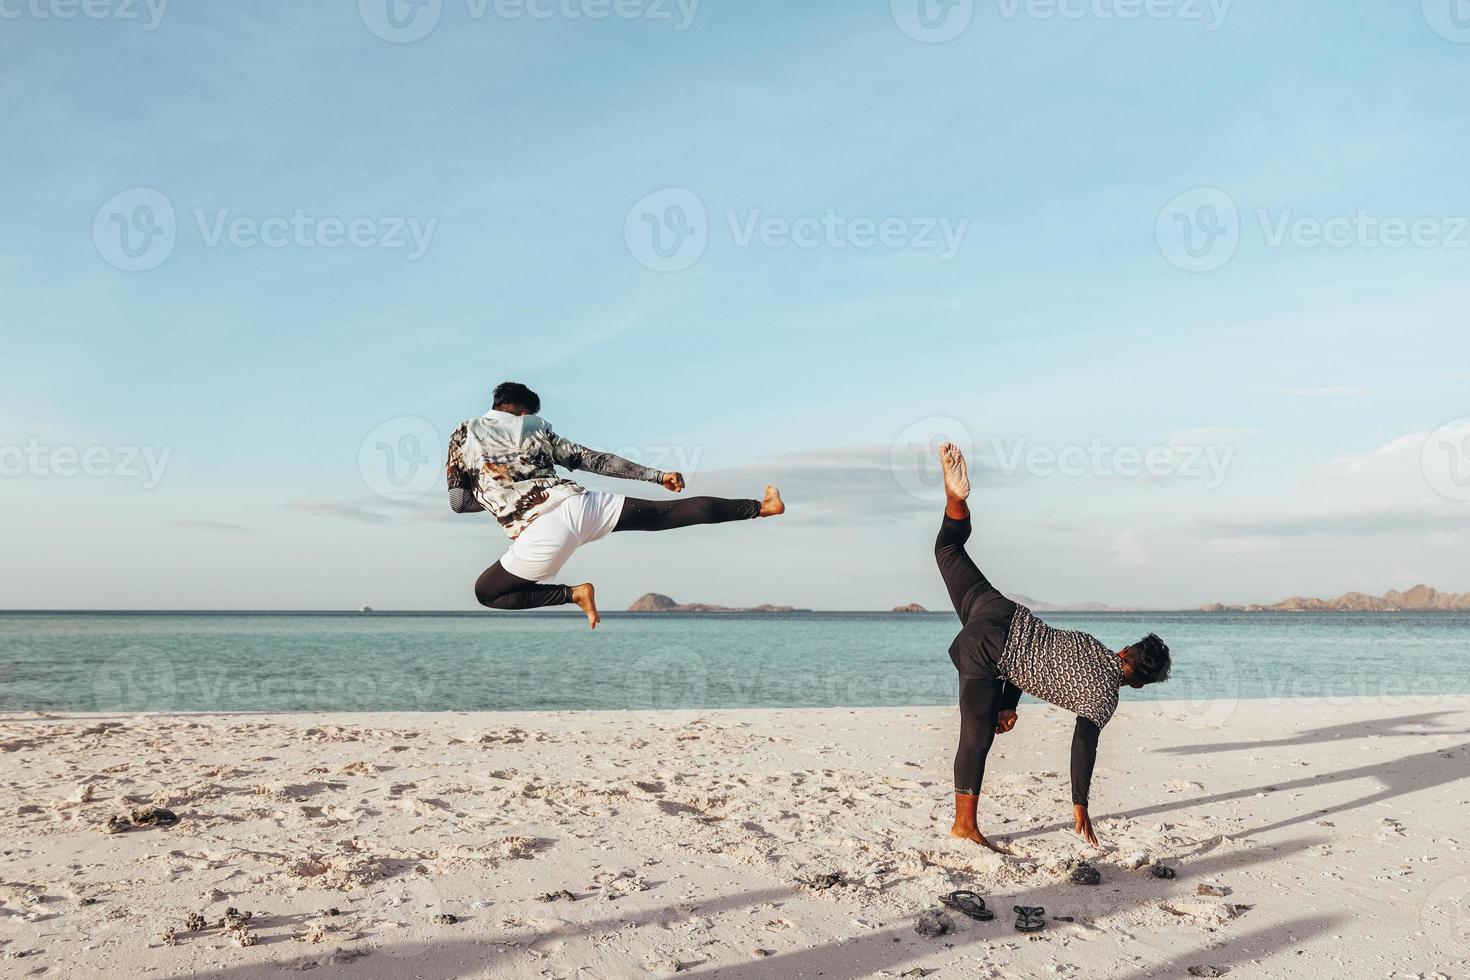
x,y
1005,721
672,481
1083,824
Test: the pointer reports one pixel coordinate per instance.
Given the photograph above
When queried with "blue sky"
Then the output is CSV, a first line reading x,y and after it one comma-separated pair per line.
x,y
1068,148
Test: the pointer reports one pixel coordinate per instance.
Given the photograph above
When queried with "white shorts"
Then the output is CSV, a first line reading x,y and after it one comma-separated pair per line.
x,y
547,542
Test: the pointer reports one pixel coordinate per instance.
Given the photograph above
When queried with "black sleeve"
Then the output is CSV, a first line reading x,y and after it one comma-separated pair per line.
x,y
1010,696
462,501
1084,756
461,484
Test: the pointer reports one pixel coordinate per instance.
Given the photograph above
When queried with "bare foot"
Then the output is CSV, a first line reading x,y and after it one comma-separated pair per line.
x,y
973,833
585,596
773,504
956,474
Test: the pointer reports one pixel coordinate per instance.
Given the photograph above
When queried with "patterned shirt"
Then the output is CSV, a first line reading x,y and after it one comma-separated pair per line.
x,y
506,464
1068,668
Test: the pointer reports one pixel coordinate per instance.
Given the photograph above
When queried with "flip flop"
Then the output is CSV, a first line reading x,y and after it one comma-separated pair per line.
x,y
967,903
1086,874
1029,918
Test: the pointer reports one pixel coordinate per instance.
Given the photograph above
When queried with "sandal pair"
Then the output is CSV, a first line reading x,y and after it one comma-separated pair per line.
x,y
967,903
1029,918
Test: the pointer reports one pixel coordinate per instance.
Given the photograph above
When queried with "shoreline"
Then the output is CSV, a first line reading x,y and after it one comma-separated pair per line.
x,y
692,838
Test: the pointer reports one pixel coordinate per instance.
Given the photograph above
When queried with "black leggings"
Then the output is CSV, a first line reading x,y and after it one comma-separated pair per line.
x,y
986,615
499,589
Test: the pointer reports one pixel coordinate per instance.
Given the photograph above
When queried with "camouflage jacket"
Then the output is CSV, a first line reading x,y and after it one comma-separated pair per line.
x,y
506,464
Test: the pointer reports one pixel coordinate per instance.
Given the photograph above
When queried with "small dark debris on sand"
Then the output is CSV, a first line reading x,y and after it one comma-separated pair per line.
x,y
1086,874
561,895
154,816
821,883
235,919
1162,871
933,924
445,919
116,825
1208,971
194,922
760,953
1211,891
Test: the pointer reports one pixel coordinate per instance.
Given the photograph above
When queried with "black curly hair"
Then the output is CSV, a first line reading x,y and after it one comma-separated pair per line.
x,y
513,394
1150,660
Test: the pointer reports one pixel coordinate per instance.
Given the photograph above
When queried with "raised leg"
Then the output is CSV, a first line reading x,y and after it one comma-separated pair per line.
x,y
666,515
963,579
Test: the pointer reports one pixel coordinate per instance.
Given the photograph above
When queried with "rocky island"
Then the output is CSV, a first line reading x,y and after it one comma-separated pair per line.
x,y
1421,598
658,602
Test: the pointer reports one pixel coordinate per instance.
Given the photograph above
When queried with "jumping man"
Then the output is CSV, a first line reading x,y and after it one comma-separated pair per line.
x,y
1003,650
505,462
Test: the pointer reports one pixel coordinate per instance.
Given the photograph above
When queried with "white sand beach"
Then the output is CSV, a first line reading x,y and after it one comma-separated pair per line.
x,y
1332,837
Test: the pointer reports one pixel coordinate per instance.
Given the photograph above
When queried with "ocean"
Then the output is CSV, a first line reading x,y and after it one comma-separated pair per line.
x,y
112,662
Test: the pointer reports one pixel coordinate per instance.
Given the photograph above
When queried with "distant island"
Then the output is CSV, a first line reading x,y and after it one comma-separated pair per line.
x,y
658,602
1421,598
911,607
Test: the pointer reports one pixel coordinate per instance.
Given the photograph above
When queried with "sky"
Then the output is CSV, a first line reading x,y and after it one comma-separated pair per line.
x,y
1187,278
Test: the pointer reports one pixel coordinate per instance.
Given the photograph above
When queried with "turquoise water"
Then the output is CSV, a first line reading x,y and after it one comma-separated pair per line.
x,y
477,662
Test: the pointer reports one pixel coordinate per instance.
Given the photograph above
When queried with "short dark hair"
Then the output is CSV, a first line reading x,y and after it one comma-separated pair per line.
x,y
1150,660
513,394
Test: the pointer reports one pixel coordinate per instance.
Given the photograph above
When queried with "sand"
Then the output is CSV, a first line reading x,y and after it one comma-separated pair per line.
x,y
1331,838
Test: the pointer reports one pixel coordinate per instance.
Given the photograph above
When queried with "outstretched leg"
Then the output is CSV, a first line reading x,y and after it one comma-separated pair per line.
x,y
964,580
665,515
499,589
980,700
